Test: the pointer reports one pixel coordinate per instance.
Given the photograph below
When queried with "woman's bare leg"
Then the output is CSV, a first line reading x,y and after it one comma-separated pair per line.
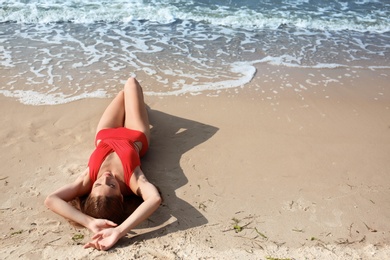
x,y
136,115
114,115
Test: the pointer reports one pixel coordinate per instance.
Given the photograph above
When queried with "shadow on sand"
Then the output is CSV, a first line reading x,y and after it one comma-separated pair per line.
x,y
171,137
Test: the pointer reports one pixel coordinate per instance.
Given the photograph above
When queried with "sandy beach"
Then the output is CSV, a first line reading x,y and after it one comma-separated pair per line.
x,y
266,171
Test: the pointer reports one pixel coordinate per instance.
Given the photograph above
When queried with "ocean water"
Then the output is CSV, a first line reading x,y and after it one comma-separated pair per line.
x,y
54,52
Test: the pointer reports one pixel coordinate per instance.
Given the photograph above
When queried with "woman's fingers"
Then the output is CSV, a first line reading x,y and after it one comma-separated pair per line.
x,y
94,244
97,236
108,222
88,245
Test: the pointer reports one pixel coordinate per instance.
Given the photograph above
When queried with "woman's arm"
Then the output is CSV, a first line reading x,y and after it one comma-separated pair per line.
x,y
105,239
152,201
58,202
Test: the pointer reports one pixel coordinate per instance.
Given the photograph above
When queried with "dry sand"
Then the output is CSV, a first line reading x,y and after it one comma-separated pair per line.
x,y
295,171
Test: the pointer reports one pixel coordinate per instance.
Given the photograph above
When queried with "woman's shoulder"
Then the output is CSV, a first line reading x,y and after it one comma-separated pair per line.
x,y
136,179
84,179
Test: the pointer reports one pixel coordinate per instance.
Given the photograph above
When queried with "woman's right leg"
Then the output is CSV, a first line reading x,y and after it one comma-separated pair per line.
x,y
136,115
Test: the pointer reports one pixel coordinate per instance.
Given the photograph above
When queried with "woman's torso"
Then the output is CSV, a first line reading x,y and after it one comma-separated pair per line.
x,y
113,164
118,152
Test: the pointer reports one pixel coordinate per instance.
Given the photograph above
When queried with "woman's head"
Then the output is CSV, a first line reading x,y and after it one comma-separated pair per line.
x,y
105,200
106,185
104,207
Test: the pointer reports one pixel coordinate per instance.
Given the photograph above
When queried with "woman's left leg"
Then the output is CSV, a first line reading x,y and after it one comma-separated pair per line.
x,y
114,115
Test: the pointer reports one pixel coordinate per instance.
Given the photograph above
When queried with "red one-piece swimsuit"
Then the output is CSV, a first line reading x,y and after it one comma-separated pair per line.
x,y
121,141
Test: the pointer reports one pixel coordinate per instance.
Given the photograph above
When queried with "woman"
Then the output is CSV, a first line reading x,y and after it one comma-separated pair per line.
x,y
113,172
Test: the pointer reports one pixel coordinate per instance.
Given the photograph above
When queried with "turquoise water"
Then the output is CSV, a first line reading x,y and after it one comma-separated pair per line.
x,y
55,52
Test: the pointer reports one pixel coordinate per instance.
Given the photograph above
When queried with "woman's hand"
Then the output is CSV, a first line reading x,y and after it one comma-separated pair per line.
x,y
104,239
97,225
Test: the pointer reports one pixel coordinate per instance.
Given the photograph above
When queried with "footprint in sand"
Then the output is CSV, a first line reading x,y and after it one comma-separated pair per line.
x,y
10,139
48,225
33,192
36,133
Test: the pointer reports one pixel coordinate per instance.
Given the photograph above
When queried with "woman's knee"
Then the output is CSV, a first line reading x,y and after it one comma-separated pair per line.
x,y
131,83
132,86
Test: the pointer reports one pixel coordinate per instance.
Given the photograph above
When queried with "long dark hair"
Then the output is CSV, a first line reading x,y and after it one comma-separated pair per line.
x,y
103,207
111,208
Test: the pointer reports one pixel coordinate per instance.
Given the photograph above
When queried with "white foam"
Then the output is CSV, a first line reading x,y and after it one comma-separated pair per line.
x,y
245,73
300,14
6,58
30,97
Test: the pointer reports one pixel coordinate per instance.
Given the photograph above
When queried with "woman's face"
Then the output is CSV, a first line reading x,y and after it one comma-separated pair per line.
x,y
106,185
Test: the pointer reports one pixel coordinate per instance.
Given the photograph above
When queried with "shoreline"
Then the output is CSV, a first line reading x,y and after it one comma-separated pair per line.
x,y
303,173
